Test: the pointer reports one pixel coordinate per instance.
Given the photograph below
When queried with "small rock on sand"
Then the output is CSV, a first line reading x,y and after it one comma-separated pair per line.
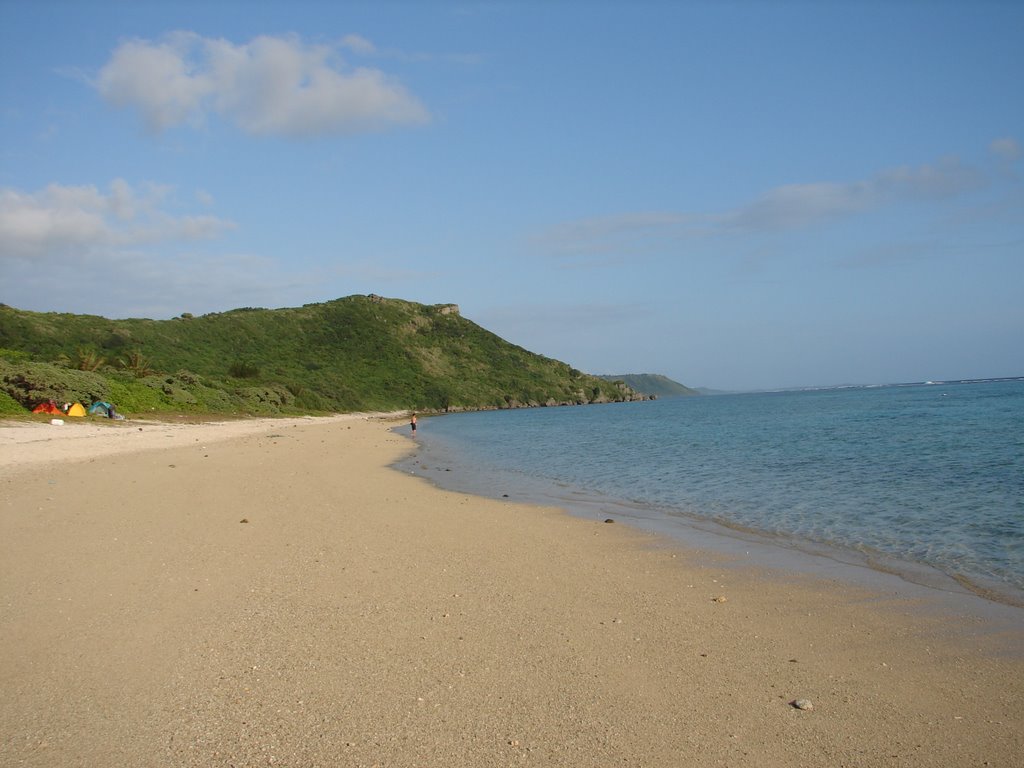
x,y
805,704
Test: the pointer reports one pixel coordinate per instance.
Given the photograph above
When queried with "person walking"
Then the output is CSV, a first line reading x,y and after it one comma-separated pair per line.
x,y
412,424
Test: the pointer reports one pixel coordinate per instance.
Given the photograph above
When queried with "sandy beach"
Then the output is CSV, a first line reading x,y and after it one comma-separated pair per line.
x,y
270,592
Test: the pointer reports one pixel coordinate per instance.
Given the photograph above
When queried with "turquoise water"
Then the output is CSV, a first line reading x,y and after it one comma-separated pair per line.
x,y
929,474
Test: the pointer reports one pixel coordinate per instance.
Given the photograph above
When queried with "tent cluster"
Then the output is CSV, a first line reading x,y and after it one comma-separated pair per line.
x,y
99,408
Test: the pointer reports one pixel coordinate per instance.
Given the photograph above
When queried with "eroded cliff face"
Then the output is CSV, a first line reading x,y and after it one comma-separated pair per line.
x,y
625,394
444,309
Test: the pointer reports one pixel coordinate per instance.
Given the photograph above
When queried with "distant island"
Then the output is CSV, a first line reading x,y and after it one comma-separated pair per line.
x,y
359,353
652,384
709,391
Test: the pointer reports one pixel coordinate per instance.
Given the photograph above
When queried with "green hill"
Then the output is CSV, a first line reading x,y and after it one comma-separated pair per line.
x,y
653,384
360,353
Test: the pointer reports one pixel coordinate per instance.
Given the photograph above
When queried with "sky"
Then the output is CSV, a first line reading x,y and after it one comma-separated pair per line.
x,y
737,195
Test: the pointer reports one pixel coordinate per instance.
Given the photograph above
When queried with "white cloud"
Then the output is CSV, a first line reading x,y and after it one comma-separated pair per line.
x,y
157,79
126,251
61,221
268,86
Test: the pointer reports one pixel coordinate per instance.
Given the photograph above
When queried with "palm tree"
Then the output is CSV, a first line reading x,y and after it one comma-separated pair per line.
x,y
137,364
84,360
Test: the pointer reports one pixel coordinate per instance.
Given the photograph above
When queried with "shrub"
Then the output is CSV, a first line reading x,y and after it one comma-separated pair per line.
x,y
213,399
135,397
10,406
14,355
32,383
243,369
311,401
267,398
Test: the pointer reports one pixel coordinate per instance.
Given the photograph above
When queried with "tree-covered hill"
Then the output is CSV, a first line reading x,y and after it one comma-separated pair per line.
x,y
653,384
359,353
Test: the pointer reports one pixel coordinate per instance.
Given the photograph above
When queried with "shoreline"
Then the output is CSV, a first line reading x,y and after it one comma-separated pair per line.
x,y
748,547
962,575
282,596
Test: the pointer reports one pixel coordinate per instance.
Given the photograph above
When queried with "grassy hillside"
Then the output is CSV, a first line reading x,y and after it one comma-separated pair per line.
x,y
358,353
653,384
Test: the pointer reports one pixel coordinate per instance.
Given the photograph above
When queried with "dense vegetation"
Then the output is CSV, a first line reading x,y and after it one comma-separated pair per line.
x,y
653,384
361,353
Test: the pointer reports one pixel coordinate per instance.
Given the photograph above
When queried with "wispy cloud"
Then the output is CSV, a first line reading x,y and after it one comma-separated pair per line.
x,y
358,44
126,251
787,207
1006,148
269,86
796,206
59,220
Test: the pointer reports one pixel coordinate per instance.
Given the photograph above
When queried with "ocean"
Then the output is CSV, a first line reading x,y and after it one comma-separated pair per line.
x,y
924,480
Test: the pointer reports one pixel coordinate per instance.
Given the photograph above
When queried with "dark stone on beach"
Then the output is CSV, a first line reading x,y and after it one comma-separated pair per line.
x,y
244,520
609,520
504,495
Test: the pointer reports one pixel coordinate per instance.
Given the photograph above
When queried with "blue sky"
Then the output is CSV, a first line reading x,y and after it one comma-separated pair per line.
x,y
736,195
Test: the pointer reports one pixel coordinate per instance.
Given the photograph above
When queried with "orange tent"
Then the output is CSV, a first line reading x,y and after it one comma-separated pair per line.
x,y
48,407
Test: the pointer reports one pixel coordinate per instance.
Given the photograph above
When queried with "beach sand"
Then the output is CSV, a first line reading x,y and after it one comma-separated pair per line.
x,y
272,593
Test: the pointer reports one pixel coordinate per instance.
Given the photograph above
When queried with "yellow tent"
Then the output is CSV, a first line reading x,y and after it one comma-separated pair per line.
x,y
76,410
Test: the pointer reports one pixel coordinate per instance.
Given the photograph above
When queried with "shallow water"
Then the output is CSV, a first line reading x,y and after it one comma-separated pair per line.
x,y
906,476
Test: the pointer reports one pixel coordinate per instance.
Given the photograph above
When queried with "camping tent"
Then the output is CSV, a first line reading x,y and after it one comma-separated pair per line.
x,y
48,407
76,410
100,408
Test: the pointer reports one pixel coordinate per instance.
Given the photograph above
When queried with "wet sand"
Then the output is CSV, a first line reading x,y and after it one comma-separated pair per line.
x,y
272,593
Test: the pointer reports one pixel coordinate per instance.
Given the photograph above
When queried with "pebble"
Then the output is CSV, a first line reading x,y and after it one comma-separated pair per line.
x,y
720,599
805,704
